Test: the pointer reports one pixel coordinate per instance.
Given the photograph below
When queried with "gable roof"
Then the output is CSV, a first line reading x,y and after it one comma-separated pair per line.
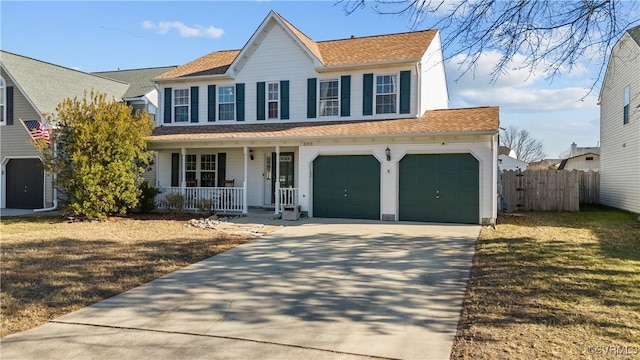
x,y
635,34
139,80
433,122
46,85
408,46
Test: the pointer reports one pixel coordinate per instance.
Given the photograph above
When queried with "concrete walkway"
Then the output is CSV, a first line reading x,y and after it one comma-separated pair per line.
x,y
333,289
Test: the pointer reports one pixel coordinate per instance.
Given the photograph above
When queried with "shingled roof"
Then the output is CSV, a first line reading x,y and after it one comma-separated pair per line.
x,y
433,122
408,46
48,84
139,80
635,34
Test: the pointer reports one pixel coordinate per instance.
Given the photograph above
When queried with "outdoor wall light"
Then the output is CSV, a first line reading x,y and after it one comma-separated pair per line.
x,y
387,152
251,154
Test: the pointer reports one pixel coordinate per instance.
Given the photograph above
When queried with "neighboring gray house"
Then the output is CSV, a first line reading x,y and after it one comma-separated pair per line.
x,y
141,93
30,88
620,125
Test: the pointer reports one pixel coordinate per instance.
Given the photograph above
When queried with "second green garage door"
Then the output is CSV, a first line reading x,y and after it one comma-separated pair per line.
x,y
439,188
346,186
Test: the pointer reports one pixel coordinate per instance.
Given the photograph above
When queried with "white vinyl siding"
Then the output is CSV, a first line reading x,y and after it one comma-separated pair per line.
x,y
619,142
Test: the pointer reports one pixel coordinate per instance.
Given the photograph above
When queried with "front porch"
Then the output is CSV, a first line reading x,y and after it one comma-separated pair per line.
x,y
230,179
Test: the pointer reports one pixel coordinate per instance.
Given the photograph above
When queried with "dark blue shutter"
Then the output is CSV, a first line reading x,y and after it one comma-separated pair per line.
x,y
239,102
211,103
284,99
9,104
175,169
367,94
167,105
260,104
311,98
222,168
405,92
194,103
345,95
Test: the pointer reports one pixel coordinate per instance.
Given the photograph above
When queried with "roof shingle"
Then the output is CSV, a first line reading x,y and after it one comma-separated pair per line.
x,y
434,122
408,46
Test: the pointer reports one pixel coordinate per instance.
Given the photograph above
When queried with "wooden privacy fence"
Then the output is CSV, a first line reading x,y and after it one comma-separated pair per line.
x,y
548,190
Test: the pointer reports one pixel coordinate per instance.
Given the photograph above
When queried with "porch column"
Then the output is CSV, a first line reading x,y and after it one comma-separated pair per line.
x,y
277,179
183,173
245,202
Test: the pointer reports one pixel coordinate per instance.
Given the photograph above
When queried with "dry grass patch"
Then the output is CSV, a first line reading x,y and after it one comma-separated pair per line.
x,y
554,285
51,267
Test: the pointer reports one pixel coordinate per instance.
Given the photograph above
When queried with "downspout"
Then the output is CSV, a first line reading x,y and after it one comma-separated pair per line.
x,y
55,189
419,75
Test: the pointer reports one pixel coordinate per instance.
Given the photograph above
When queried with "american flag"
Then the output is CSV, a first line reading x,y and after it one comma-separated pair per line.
x,y
36,129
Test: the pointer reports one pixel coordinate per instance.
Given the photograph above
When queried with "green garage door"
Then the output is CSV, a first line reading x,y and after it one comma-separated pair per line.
x,y
439,188
346,187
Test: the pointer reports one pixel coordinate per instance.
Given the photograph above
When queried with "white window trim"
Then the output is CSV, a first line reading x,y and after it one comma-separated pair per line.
x,y
218,102
319,109
173,106
375,93
3,85
266,95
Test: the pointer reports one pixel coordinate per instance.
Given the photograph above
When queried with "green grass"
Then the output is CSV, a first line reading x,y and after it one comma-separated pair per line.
x,y
549,285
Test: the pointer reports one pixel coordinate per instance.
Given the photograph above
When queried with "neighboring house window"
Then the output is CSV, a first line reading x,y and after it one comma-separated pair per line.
x,y
386,94
191,168
625,110
589,158
226,103
3,100
273,100
181,105
329,98
207,170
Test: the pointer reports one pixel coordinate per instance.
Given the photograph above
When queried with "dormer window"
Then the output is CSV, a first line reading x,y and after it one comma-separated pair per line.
x,y
227,102
386,94
181,105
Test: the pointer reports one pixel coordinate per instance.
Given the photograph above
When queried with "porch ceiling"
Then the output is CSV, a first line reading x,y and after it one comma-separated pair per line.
x,y
435,122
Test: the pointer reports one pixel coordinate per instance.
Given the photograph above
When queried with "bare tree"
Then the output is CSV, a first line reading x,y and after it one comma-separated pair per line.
x,y
526,147
552,36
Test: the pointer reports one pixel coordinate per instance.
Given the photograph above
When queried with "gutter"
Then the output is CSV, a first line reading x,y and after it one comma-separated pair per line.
x,y
55,189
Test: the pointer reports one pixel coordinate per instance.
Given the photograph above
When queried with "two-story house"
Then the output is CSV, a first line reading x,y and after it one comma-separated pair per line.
x,y
29,89
620,125
349,128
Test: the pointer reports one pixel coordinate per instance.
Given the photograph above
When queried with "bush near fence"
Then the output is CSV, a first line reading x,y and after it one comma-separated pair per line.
x,y
548,190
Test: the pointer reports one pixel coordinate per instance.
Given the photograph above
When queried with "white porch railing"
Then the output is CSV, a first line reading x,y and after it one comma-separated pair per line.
x,y
201,198
288,197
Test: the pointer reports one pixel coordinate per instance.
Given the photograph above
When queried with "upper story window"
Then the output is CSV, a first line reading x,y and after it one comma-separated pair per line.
x,y
181,105
227,102
3,100
273,100
329,98
386,94
625,109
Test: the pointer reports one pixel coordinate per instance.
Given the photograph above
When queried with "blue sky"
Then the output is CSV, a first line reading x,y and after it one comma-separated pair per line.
x,y
100,36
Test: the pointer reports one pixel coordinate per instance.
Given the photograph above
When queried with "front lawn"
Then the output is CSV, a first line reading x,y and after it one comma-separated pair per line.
x,y
50,267
554,285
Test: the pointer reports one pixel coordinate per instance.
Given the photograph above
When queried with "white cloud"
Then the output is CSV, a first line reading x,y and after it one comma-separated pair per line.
x,y
163,27
517,89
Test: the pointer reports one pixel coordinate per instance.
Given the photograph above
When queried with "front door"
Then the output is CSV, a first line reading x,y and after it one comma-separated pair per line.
x,y
25,185
286,173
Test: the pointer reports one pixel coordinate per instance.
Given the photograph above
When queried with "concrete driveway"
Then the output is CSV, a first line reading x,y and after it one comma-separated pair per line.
x,y
322,289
